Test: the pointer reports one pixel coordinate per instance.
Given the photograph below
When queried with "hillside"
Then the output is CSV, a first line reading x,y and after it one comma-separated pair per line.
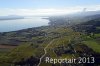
x,y
63,38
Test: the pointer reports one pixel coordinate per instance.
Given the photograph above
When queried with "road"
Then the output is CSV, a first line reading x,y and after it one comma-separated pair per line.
x,y
44,53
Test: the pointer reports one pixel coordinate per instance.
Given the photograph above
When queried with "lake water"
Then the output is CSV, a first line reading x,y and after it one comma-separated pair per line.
x,y
18,24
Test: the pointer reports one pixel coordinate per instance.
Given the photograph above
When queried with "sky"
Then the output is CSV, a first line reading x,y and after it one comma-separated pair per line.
x,y
46,7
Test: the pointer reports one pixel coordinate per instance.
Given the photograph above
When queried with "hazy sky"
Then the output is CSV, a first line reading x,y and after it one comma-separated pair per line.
x,y
46,3
33,7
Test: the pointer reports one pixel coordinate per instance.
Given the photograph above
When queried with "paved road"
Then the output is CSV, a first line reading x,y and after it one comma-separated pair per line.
x,y
44,53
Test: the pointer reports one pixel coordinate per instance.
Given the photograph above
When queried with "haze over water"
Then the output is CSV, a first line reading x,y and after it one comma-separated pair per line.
x,y
18,24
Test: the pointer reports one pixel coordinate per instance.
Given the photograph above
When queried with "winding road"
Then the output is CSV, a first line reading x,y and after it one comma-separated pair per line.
x,y
44,53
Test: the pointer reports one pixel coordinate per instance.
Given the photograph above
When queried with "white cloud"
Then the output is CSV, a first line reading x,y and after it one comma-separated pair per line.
x,y
34,12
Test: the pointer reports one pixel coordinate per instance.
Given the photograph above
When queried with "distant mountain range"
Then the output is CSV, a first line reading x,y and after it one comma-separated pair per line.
x,y
74,18
11,17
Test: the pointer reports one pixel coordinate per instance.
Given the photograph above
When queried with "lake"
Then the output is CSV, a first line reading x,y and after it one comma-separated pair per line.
x,y
18,24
